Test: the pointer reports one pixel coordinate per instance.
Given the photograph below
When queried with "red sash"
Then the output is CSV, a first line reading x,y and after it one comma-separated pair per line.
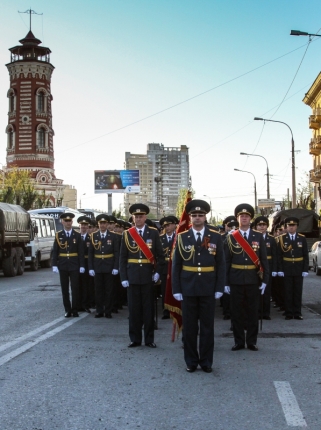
x,y
142,244
249,250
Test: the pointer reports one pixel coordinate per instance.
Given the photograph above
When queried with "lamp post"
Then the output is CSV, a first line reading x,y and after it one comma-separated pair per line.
x,y
255,195
293,158
80,200
204,195
267,172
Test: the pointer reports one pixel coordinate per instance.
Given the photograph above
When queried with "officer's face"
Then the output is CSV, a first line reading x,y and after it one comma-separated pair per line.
x,y
262,227
292,228
103,226
139,220
110,226
67,224
83,228
244,220
197,220
169,229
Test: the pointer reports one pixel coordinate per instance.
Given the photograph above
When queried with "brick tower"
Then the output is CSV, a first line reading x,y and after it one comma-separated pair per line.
x,y
29,130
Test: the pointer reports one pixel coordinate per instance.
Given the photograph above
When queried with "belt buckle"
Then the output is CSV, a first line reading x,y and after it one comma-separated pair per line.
x,y
139,260
199,269
245,267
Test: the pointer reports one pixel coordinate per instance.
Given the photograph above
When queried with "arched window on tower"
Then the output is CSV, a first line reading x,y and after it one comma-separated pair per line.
x,y
42,136
41,100
12,100
10,137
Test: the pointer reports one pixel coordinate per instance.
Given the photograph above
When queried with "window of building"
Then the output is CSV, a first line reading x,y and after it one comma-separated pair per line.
x,y
41,138
41,102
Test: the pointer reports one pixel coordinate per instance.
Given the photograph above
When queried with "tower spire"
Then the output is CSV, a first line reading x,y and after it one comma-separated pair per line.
x,y
30,12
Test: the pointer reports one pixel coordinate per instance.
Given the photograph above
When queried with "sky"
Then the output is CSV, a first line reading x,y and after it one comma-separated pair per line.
x,y
177,72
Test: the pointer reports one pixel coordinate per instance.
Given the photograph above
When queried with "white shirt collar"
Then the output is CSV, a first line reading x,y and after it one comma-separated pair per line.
x,y
196,231
68,232
142,229
247,232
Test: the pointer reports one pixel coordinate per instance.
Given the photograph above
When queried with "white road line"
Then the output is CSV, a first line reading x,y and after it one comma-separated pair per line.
x,y
290,406
12,290
31,333
45,336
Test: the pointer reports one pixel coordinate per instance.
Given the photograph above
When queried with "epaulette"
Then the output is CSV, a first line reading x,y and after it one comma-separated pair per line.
x,y
283,234
214,231
300,234
153,228
116,232
182,232
271,235
59,231
163,234
256,231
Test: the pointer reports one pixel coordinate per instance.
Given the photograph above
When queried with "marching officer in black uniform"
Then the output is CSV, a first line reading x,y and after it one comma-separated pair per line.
x,y
84,278
293,265
242,280
103,263
167,239
68,260
198,278
261,224
228,223
140,265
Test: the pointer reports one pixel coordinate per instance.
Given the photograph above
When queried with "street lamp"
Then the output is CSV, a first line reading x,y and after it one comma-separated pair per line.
x,y
204,195
302,33
267,172
293,158
255,196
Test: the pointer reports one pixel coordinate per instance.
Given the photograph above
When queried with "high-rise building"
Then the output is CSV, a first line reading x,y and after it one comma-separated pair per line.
x,y
163,173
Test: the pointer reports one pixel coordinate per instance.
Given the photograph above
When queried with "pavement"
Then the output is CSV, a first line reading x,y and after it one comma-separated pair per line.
x,y
78,373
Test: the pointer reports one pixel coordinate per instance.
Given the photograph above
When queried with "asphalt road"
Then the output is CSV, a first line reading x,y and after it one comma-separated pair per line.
x,y
78,373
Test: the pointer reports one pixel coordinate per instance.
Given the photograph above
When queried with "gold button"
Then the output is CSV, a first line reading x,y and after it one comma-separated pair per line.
x,y
200,274
139,261
199,268
198,263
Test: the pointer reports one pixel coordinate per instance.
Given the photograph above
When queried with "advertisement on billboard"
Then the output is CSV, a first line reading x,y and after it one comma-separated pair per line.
x,y
117,181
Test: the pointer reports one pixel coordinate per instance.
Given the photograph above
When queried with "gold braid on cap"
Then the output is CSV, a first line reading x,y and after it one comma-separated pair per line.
x,y
130,248
95,245
182,250
231,245
284,249
61,245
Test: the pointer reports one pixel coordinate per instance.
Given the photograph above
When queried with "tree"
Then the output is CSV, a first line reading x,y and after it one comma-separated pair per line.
x,y
305,193
43,200
181,201
18,188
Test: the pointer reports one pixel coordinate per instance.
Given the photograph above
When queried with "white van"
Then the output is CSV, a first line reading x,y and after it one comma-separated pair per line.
x,y
39,250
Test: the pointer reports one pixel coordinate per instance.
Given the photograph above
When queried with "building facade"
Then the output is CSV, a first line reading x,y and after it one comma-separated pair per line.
x,y
164,171
313,99
29,131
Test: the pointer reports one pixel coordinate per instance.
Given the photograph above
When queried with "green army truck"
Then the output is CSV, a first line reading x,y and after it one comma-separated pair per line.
x,y
15,233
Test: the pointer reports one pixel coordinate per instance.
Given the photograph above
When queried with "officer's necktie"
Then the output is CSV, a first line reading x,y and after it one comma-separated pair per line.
x,y
245,236
83,237
140,232
199,240
103,236
67,234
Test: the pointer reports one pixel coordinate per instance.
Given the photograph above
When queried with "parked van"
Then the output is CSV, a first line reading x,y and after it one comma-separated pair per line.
x,y
55,214
39,250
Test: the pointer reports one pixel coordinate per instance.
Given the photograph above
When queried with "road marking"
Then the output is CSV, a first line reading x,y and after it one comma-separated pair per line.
x,y
11,290
290,406
31,333
41,338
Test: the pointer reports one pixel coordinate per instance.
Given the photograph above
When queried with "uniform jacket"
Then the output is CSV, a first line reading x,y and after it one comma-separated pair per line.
x,y
136,273
209,254
86,244
235,255
68,254
103,254
298,249
271,252
167,249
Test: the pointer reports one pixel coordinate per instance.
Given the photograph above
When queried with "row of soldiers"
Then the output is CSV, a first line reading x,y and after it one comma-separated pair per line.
x,y
205,265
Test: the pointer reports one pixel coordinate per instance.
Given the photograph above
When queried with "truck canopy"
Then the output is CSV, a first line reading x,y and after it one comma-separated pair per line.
x,y
14,223
308,220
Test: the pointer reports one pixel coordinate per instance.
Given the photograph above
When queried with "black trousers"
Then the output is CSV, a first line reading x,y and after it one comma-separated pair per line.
x,y
266,300
198,308
84,293
280,298
72,277
141,312
103,292
293,286
163,287
226,304
249,294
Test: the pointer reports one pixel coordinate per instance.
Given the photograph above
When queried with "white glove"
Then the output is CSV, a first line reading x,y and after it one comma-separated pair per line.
x,y
262,288
274,274
281,274
218,295
178,297
227,290
304,274
155,277
55,269
125,284
82,270
114,272
91,273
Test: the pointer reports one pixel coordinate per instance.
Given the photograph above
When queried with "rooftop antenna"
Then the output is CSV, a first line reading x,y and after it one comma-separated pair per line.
x,y
30,12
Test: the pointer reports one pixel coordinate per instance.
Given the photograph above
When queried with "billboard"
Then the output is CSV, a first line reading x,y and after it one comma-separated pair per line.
x,y
117,181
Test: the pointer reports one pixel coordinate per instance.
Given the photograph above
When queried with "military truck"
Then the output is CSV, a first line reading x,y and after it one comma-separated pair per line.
x,y
15,232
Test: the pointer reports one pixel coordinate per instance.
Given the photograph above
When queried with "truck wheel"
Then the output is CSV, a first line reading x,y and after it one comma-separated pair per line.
x,y
47,263
21,261
10,264
34,266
